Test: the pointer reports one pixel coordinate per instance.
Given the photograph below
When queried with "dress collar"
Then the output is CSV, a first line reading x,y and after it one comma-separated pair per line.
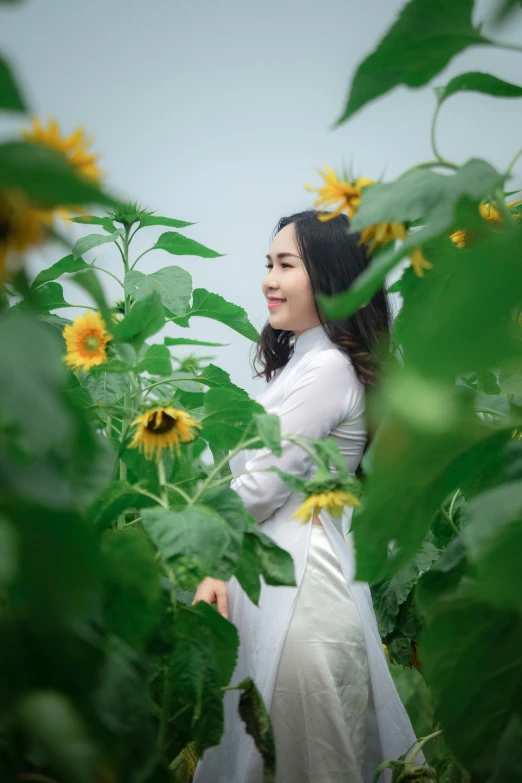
x,y
311,338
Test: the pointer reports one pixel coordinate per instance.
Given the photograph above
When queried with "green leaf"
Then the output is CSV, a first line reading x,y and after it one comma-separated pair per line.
x,y
253,712
494,541
91,241
105,388
45,176
222,635
275,564
507,767
144,319
132,593
46,297
226,415
148,219
156,361
436,458
179,245
173,284
475,81
113,501
195,543
10,96
388,596
217,378
471,660
207,305
67,265
419,45
187,341
94,220
269,430
248,568
53,724
469,331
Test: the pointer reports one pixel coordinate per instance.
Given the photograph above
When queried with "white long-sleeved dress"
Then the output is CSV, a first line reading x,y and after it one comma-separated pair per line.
x,y
334,707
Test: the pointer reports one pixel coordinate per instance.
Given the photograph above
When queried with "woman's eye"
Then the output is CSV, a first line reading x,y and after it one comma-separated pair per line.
x,y
268,266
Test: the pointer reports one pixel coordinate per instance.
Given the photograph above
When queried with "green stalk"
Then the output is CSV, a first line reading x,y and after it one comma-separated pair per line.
x,y
432,131
126,397
162,479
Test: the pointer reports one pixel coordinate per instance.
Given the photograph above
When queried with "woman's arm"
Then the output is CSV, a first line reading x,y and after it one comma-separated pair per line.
x,y
321,396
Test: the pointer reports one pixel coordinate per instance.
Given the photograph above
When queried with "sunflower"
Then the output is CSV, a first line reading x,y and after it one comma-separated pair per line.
x,y
333,502
86,341
162,428
74,147
349,195
21,226
488,212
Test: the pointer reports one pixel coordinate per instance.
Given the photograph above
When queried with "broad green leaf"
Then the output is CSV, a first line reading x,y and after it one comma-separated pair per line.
x,y
195,543
45,176
156,361
114,500
183,767
226,416
428,446
148,219
67,265
472,298
475,81
207,305
507,767
10,96
388,596
222,635
441,199
275,564
29,350
257,721
112,365
423,40
91,241
173,284
195,683
52,723
132,591
399,647
93,220
180,245
471,660
494,541
269,430
104,387
144,319
9,555
187,341
423,193
511,379
217,378
248,568
46,297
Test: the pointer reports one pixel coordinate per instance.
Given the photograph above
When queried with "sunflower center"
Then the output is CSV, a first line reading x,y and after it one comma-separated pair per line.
x,y
160,423
92,343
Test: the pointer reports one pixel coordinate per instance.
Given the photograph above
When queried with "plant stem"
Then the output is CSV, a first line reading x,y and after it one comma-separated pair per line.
x,y
432,131
165,709
410,758
490,410
180,492
86,307
141,256
162,479
221,464
429,164
449,520
101,269
510,47
158,500
512,162
502,208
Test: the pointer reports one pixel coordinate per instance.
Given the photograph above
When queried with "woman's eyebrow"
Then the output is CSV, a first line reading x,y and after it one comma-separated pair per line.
x,y
281,255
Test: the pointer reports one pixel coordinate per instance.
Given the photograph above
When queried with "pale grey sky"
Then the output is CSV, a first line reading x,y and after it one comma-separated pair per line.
x,y
217,111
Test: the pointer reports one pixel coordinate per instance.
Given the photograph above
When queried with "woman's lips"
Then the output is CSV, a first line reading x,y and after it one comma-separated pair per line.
x,y
275,303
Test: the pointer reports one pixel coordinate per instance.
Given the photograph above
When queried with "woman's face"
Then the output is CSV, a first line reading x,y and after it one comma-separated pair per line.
x,y
287,287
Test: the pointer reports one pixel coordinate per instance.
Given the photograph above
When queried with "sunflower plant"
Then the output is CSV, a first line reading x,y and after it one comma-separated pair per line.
x,y
438,532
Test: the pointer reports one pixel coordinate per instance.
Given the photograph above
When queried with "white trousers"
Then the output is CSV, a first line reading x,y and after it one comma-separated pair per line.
x,y
318,709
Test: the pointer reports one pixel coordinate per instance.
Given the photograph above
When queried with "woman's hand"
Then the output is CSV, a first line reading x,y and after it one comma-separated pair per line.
x,y
213,591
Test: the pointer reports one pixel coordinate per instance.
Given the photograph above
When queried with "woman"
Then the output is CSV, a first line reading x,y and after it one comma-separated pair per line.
x,y
313,650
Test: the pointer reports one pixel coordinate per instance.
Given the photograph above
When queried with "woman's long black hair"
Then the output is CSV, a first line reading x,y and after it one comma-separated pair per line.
x,y
333,259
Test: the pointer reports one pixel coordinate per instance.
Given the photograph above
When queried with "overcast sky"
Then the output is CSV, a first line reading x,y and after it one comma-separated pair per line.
x,y
217,111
